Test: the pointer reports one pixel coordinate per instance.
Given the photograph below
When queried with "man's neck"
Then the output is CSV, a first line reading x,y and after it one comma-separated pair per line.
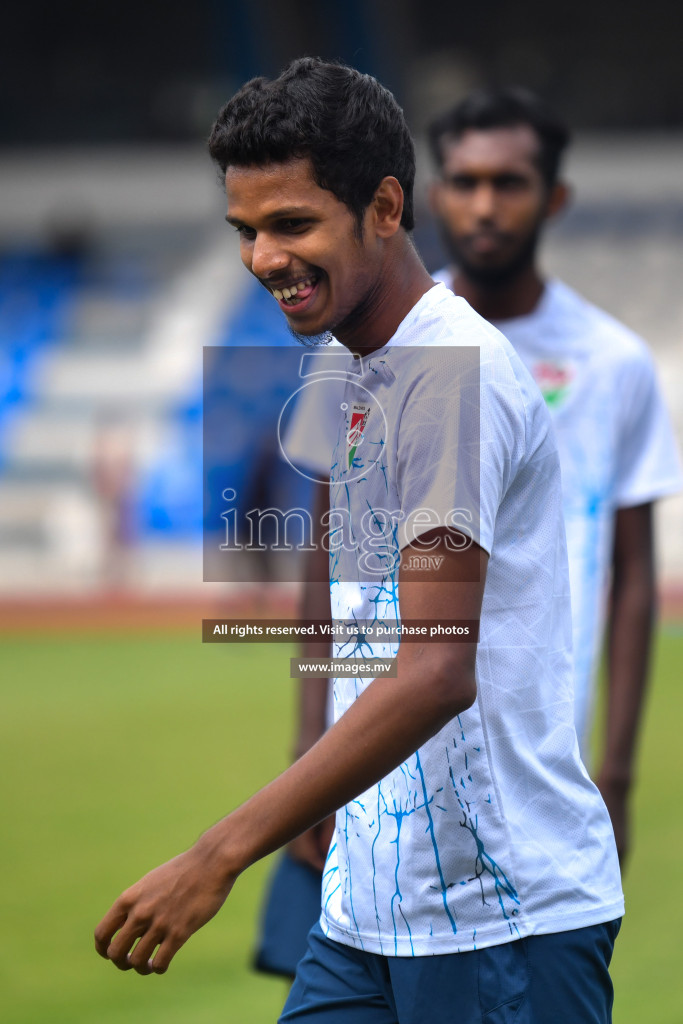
x,y
402,284
518,297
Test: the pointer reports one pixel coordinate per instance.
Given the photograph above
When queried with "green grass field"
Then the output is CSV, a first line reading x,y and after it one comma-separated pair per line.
x,y
117,750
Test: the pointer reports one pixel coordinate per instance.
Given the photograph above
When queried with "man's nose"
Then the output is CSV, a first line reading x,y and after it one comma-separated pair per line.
x,y
484,201
268,256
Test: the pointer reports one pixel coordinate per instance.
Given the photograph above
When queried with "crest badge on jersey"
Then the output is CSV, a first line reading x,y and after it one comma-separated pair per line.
x,y
554,380
354,438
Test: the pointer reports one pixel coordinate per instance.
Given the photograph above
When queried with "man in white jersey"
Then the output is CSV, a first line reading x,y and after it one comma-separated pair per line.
x,y
473,873
498,155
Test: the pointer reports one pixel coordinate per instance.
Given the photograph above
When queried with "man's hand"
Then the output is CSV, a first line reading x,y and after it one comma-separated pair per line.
x,y
162,910
311,847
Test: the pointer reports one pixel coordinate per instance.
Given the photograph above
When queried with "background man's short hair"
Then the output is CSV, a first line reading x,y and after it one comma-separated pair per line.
x,y
349,125
504,107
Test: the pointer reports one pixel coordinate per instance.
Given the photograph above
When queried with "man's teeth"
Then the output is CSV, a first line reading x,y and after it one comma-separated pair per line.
x,y
290,293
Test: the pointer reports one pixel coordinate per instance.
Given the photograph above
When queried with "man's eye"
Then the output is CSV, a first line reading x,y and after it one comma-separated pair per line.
x,y
462,183
245,232
510,183
294,224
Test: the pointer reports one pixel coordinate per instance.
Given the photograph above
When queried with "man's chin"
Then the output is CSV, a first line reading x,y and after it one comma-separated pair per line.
x,y
311,340
501,270
498,273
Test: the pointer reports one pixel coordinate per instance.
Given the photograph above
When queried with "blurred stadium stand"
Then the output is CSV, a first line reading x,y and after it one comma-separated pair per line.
x,y
115,267
102,322
109,290
106,298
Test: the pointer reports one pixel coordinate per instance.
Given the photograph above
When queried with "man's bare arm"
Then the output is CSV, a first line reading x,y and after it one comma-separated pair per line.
x,y
632,613
386,725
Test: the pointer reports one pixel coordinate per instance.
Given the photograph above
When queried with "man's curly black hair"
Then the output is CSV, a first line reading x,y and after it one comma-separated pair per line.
x,y
350,126
505,107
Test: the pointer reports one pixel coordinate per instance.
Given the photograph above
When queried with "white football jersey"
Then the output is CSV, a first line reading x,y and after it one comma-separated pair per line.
x,y
492,830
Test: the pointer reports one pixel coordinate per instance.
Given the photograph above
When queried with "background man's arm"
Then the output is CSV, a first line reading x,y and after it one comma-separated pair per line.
x,y
312,845
630,627
389,721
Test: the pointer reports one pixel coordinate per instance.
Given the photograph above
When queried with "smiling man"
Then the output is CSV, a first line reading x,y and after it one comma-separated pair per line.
x,y
473,872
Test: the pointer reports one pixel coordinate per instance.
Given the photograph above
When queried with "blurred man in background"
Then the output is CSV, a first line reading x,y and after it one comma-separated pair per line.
x,y
498,156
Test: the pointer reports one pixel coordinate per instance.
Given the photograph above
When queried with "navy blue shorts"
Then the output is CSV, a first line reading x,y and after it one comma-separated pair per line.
x,y
291,906
545,979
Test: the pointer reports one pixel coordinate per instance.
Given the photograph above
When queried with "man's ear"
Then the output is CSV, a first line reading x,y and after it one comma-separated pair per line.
x,y
387,207
559,198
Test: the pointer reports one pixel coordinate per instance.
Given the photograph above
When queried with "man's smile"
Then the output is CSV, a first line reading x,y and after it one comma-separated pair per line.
x,y
296,292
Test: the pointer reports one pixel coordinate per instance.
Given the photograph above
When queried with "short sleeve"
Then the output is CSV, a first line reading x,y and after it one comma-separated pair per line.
x,y
647,464
462,428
